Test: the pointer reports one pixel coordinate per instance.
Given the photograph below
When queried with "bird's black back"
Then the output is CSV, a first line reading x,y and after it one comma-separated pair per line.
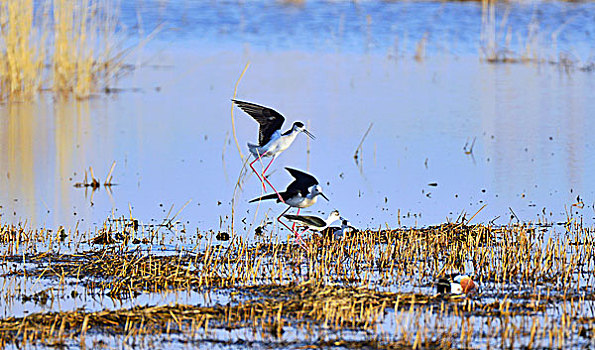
x,y
443,286
307,219
269,119
303,181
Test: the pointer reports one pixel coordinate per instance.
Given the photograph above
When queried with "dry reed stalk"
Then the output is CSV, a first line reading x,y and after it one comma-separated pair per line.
x,y
233,125
79,30
80,54
324,285
359,147
23,54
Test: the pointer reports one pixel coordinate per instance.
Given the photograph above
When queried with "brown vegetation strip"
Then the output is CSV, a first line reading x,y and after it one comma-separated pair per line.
x,y
296,305
510,259
524,272
268,309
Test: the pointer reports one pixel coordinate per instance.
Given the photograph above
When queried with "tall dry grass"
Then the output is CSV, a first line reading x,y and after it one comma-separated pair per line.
x,y
22,51
65,46
532,46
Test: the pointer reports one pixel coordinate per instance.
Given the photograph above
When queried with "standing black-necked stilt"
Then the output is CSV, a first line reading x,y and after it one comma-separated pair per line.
x,y
455,284
301,193
338,233
313,223
271,142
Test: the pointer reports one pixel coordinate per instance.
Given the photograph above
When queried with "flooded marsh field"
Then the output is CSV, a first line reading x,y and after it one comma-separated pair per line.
x,y
371,289
452,137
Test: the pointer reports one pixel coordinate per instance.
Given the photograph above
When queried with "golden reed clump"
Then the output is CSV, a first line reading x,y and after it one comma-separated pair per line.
x,y
63,46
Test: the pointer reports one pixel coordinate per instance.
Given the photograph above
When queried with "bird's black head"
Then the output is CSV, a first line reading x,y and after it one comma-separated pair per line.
x,y
299,126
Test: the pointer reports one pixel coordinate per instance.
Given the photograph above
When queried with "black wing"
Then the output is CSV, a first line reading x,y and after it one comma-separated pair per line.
x,y
269,119
267,196
286,195
303,181
307,219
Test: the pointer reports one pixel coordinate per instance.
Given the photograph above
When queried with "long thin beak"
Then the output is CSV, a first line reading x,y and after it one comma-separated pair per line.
x,y
309,134
323,196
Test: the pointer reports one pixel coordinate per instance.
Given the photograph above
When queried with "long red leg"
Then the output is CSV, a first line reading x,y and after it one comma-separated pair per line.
x,y
267,168
270,184
299,235
284,224
256,172
293,226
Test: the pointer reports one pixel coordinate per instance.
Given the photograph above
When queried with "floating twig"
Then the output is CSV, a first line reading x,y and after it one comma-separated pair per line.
x,y
514,214
469,148
108,179
359,147
93,184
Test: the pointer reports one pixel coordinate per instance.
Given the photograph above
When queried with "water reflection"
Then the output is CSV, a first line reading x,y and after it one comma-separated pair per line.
x,y
21,157
43,146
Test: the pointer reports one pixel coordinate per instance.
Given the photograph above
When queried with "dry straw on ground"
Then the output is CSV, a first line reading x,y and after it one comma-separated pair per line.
x,y
535,286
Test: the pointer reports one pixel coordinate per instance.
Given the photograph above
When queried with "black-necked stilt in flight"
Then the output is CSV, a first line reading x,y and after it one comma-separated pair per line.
x,y
301,193
271,142
313,223
455,284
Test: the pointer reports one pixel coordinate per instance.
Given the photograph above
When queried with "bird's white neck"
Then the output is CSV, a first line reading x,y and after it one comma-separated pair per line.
x,y
285,140
291,134
331,219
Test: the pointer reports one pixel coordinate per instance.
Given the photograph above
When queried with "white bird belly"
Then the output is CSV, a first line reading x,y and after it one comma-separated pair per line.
x,y
295,201
283,143
304,202
276,145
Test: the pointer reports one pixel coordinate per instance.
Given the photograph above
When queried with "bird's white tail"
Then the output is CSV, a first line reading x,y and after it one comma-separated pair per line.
x,y
254,149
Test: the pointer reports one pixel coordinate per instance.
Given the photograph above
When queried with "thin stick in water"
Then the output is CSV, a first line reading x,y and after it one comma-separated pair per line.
x,y
233,125
108,179
359,147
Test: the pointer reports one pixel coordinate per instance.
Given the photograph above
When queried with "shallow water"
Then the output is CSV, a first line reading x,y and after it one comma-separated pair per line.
x,y
371,26
175,144
338,67
73,296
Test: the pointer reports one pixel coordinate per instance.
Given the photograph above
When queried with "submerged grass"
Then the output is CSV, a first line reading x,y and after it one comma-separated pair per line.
x,y
71,53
